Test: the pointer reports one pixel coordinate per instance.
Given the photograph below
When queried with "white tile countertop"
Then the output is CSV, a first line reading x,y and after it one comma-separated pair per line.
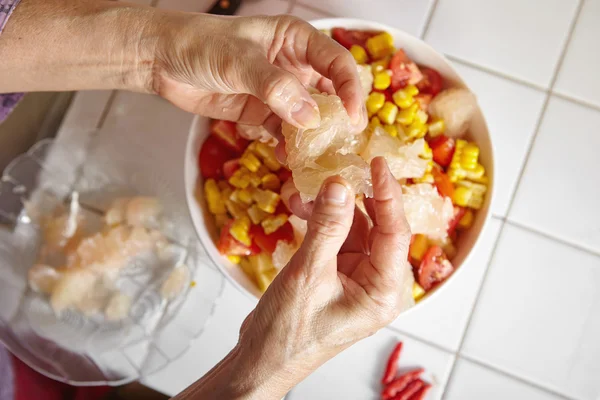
x,y
522,321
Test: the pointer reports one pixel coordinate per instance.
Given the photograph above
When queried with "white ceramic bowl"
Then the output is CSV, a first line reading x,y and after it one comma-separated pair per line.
x,y
422,54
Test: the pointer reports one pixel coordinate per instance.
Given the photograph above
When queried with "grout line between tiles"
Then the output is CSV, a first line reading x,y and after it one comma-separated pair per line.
x,y
549,236
497,73
428,19
419,339
517,184
512,376
583,103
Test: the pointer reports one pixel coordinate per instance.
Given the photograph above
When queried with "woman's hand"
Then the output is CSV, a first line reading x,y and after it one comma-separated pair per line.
x,y
345,282
254,70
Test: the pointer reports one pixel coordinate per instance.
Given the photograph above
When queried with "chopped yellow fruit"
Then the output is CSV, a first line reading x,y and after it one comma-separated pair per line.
x,y
392,130
240,230
418,292
266,200
374,122
359,54
436,127
234,259
467,220
256,214
375,101
240,178
427,152
388,113
382,80
213,197
235,209
418,247
407,115
380,65
421,117
271,181
267,154
273,222
380,46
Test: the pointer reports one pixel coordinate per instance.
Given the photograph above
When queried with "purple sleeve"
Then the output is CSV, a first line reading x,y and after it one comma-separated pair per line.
x,y
10,100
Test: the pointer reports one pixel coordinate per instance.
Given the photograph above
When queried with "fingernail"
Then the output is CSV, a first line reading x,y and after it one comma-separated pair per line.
x,y
306,115
335,193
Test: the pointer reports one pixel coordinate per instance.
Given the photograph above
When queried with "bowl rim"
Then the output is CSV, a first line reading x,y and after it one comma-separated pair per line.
x,y
327,23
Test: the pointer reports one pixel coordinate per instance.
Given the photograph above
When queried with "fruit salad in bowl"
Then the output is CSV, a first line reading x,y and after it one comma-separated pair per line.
x,y
422,119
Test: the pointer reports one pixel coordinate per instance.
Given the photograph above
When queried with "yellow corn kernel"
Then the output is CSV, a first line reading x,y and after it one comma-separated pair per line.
x,y
484,180
382,80
240,178
412,90
421,117
416,130
392,130
254,180
476,173
271,182
234,259
417,291
359,54
375,122
262,171
449,249
226,194
465,162
273,222
436,127
213,197
240,230
407,115
427,178
250,161
256,214
469,156
469,194
388,113
235,197
427,152
267,155
235,209
221,220
381,45
429,166
467,220
266,200
245,196
418,247
403,99
248,269
380,65
375,102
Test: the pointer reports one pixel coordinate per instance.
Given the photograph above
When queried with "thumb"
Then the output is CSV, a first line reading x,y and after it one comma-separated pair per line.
x,y
329,224
282,92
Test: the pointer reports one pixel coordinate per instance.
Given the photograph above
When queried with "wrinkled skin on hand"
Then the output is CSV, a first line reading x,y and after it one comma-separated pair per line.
x,y
346,281
253,70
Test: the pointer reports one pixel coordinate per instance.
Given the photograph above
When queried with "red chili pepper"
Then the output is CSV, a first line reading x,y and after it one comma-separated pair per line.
x,y
392,365
400,383
420,395
410,390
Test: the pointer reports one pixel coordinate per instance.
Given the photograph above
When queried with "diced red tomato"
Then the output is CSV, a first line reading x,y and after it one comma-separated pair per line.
x,y
281,209
443,183
423,99
443,150
434,268
349,37
268,242
459,212
404,71
229,167
284,174
226,132
212,157
229,246
431,83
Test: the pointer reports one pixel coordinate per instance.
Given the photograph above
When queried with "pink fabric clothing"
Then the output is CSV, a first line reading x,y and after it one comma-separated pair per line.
x,y
8,101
